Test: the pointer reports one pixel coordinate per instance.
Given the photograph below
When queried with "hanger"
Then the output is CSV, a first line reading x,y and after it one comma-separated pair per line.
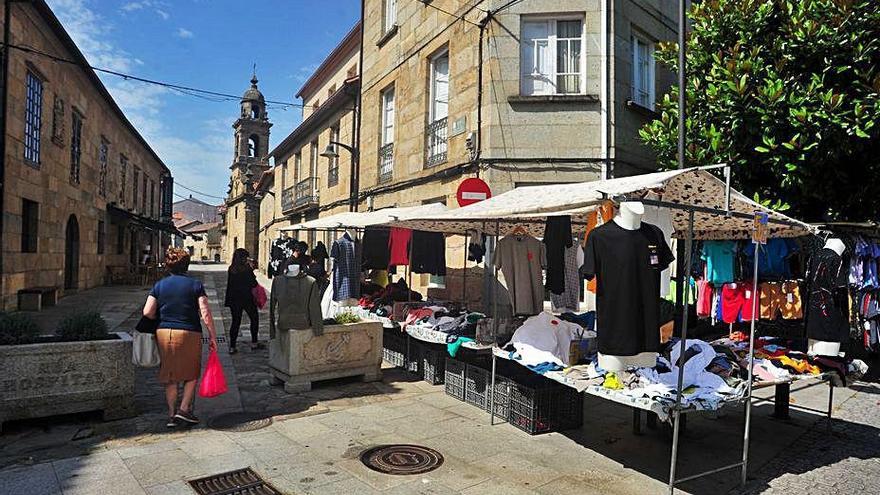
x,y
520,231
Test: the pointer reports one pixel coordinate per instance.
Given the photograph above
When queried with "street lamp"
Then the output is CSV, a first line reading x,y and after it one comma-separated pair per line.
x,y
330,152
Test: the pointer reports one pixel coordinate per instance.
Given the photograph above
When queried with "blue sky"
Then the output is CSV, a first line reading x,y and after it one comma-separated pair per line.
x,y
207,44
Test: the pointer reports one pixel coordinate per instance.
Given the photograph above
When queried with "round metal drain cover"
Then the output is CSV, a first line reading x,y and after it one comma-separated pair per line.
x,y
238,422
402,459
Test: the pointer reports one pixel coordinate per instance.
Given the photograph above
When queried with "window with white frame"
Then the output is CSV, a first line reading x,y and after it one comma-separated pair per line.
x,y
643,72
33,117
297,166
386,151
552,56
313,158
439,111
333,162
390,15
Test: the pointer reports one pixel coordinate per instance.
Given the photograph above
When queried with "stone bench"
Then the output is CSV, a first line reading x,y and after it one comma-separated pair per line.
x,y
36,298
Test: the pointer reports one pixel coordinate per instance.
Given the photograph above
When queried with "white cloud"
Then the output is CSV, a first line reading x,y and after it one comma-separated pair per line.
x,y
158,6
199,162
163,14
185,33
304,73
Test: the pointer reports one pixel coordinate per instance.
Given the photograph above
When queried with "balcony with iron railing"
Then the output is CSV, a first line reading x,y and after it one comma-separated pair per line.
x,y
306,193
287,200
386,163
435,142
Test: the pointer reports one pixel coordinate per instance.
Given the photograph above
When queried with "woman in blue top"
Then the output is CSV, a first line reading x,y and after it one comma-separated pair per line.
x,y
178,301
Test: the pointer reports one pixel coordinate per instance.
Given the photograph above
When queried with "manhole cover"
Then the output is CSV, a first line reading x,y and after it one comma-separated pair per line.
x,y
243,421
239,482
402,459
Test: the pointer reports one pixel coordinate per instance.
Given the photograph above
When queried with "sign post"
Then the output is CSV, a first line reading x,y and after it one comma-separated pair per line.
x,y
472,190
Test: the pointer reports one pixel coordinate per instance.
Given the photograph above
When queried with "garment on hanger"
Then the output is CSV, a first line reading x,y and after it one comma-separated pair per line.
x,y
398,247
557,237
601,216
477,247
569,300
346,268
428,253
828,309
295,304
521,260
627,264
772,258
662,218
375,248
719,258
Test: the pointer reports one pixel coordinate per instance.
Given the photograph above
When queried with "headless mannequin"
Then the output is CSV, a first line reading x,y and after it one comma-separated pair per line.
x,y
629,217
821,347
350,301
292,270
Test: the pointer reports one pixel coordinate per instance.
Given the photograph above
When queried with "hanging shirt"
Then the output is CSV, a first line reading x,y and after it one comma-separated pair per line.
x,y
376,255
772,258
428,253
557,237
719,258
569,300
627,264
828,310
398,245
521,260
346,268
662,218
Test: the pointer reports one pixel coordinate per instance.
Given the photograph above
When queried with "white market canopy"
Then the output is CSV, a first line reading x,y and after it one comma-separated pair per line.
x,y
362,219
530,206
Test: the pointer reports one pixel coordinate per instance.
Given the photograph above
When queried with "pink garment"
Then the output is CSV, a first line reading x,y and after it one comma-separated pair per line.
x,y
415,314
704,298
398,244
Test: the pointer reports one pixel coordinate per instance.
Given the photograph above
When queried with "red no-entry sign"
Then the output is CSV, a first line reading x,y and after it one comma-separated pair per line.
x,y
472,191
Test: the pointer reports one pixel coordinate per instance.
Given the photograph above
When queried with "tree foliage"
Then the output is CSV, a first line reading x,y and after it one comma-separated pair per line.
x,y
787,91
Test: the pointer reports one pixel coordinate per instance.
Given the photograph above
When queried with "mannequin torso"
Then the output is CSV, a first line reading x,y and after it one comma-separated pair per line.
x,y
835,245
821,347
629,215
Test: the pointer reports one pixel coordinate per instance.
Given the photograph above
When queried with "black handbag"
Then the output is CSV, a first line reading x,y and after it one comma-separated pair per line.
x,y
147,325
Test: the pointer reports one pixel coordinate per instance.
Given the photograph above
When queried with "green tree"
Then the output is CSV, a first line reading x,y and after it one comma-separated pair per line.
x,y
787,91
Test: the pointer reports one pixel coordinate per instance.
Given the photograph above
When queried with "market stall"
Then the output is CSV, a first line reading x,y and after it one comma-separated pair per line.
x,y
699,207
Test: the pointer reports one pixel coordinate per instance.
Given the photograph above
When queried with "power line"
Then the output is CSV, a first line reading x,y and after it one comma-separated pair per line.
x,y
197,192
461,17
187,90
506,5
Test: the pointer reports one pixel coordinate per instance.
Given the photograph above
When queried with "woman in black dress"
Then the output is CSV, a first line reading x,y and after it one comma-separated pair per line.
x,y
240,298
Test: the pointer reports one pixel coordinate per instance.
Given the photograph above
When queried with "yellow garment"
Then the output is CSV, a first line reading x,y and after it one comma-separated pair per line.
x,y
799,365
612,382
379,277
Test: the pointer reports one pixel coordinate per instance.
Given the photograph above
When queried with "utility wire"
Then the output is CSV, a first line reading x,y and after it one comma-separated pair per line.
x,y
197,192
200,93
511,3
461,17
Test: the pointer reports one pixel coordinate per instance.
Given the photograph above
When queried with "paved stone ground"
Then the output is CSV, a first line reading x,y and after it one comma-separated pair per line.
x,y
313,445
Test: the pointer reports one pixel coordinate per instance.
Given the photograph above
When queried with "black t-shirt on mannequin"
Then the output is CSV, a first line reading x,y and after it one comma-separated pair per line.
x,y
628,265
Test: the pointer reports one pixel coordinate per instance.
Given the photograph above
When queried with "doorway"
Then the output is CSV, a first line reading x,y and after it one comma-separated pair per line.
x,y
71,254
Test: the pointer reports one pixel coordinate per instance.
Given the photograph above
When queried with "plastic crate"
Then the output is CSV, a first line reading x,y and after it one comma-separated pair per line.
x,y
394,348
434,364
414,351
544,406
454,378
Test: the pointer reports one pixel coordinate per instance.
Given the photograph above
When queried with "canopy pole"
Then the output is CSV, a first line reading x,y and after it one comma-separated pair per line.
x,y
747,431
676,411
408,269
495,275
464,272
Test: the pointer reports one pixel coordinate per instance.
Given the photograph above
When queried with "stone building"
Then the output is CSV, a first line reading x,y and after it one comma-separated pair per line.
x,y
194,209
516,93
84,195
304,184
241,210
203,242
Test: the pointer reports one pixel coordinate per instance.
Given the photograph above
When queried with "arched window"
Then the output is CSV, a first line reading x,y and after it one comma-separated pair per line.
x,y
255,113
253,146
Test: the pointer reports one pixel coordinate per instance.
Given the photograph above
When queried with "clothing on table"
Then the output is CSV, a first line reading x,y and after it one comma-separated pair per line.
x,y
398,247
346,268
781,298
295,304
627,264
376,255
662,218
772,258
557,237
239,284
178,302
253,317
601,216
828,311
428,253
569,300
545,338
719,258
180,354
521,260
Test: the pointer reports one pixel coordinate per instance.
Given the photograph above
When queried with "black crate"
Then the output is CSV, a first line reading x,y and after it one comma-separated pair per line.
x,y
542,407
414,351
394,348
454,378
434,364
477,384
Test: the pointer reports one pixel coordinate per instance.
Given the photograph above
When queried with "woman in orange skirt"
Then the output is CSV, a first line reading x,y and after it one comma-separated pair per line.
x,y
178,301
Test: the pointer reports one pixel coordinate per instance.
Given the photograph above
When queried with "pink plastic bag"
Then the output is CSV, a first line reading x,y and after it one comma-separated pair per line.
x,y
260,296
213,381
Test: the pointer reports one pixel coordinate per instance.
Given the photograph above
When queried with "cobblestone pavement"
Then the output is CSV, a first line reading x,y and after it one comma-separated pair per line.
x,y
313,445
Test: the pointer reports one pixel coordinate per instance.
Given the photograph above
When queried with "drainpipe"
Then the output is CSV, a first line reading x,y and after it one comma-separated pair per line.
x,y
4,81
479,144
606,104
356,138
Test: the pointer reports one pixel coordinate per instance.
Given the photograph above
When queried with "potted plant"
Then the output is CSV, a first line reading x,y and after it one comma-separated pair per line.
x,y
80,368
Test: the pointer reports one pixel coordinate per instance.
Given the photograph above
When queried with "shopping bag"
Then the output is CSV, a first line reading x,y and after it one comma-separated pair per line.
x,y
144,350
213,381
260,296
